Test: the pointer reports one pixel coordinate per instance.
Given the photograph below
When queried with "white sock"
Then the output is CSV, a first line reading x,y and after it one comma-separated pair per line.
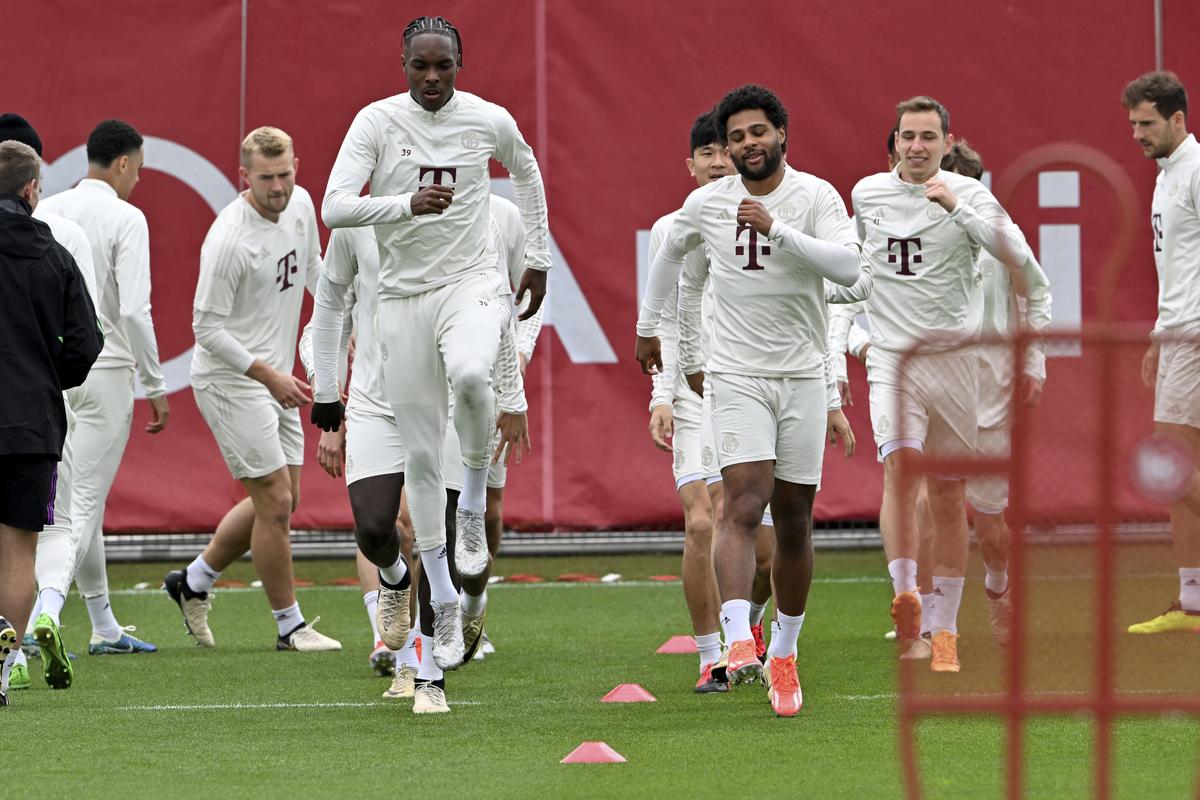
x,y
904,575
774,628
429,670
437,569
473,606
104,624
393,576
408,653
200,576
783,643
474,492
51,601
371,601
756,613
948,592
996,581
37,609
709,646
926,613
9,661
1189,588
735,621
21,659
288,619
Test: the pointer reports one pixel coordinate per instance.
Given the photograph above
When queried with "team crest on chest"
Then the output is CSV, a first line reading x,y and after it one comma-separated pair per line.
x,y
787,212
935,212
299,227
470,140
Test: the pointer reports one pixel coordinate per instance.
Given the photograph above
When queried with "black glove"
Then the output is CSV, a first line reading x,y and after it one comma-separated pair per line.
x,y
328,416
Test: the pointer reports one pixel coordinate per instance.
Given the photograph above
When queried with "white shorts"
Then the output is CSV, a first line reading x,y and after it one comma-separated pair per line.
x,y
373,446
686,444
1177,390
996,381
452,460
933,406
255,434
988,494
708,437
771,419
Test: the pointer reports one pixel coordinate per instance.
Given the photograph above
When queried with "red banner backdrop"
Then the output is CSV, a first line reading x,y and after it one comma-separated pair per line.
x,y
605,92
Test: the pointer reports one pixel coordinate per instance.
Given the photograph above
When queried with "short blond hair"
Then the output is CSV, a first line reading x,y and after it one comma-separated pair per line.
x,y
266,141
19,164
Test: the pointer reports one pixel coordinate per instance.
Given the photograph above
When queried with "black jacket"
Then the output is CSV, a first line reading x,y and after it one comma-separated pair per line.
x,y
49,335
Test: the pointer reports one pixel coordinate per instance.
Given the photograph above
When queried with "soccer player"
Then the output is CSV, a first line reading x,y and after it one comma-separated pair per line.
x,y
260,254
56,545
922,229
677,413
50,336
773,236
103,406
1157,106
425,154
507,237
372,459
1006,309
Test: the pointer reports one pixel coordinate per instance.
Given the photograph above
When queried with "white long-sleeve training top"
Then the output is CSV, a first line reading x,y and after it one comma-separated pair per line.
x,y
1175,221
120,241
923,258
399,148
253,275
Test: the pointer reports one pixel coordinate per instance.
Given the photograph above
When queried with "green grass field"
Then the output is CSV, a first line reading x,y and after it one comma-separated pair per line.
x,y
243,720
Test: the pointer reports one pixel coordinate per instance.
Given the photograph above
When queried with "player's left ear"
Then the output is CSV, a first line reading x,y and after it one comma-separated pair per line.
x,y
295,167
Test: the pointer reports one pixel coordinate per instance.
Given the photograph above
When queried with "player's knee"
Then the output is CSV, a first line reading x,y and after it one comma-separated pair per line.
x,y
698,525
375,531
743,514
472,386
275,507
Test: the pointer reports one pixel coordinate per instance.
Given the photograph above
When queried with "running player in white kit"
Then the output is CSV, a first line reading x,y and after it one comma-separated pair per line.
x,y
425,154
259,256
921,231
773,236
1157,105
1008,306
103,406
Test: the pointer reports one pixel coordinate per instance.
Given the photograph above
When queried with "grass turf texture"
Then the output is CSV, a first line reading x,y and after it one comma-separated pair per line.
x,y
560,648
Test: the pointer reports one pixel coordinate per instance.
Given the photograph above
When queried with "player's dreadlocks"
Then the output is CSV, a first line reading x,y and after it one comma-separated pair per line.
x,y
439,25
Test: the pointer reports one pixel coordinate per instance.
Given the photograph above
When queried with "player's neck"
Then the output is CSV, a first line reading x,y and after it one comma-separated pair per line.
x,y
265,213
417,99
1175,148
908,178
765,185
96,173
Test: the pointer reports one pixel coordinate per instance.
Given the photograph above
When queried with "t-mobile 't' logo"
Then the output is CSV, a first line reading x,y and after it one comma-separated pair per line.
x,y
905,257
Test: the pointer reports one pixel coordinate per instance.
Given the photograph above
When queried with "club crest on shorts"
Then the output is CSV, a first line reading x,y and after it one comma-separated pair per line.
x,y
349,463
729,444
383,355
254,458
470,140
679,459
706,457
883,424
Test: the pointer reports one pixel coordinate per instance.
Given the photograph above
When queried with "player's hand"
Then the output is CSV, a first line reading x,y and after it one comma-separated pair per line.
x,y
328,416
534,282
662,427
938,192
1150,365
288,390
514,437
753,213
1031,390
649,354
838,425
695,382
431,200
844,392
160,410
523,362
331,452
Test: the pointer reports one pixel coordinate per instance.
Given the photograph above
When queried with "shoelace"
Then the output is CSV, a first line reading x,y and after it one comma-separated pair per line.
x,y
789,681
444,634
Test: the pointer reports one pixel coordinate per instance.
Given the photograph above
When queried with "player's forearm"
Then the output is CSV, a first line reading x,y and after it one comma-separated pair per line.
x,y
833,398
836,262
139,329
210,333
528,331
994,231
841,318
510,386
857,341
846,295
326,327
691,299
1038,300
530,197
663,278
346,209
663,390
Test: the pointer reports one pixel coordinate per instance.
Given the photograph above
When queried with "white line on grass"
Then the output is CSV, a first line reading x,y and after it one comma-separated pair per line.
x,y
261,706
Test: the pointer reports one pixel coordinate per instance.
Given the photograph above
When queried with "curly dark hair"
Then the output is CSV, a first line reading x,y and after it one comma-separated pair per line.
x,y
1162,89
110,140
747,98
